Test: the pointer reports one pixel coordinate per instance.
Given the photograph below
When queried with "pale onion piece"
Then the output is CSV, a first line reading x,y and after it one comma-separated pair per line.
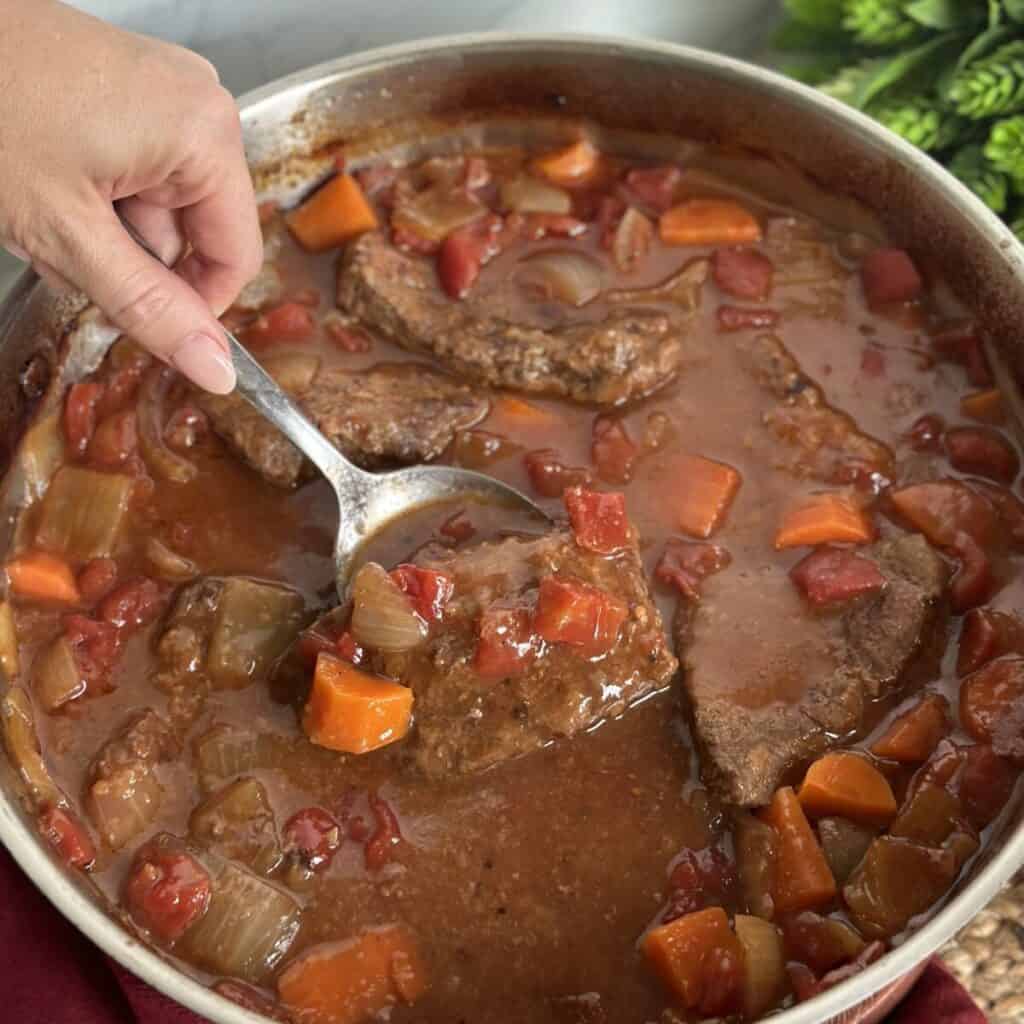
x,y
237,822
248,928
162,462
764,979
223,753
22,742
168,564
124,803
41,453
436,212
9,661
685,288
56,676
563,275
293,371
265,289
82,513
527,194
382,617
632,239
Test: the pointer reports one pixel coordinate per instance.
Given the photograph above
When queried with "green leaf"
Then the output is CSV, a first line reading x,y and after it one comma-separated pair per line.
x,y
793,36
922,63
825,14
995,13
942,14
981,46
1015,9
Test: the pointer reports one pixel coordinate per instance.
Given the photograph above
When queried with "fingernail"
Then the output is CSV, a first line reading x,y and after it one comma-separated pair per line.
x,y
203,360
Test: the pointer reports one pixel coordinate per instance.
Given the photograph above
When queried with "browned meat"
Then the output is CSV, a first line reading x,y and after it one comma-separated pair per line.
x,y
769,688
817,441
390,415
630,354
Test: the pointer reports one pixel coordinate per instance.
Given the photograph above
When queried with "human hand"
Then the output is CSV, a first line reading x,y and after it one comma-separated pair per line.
x,y
91,115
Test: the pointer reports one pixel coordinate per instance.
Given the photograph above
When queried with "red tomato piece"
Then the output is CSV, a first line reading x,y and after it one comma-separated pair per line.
x,y
612,450
97,646
348,649
982,451
465,251
550,477
80,414
97,579
122,380
506,644
973,583
68,836
1009,508
943,509
685,564
314,836
889,276
986,784
457,528
166,891
830,575
655,187
133,604
115,440
610,210
575,613
700,879
386,837
987,634
743,273
598,520
428,591
291,321
992,705
743,318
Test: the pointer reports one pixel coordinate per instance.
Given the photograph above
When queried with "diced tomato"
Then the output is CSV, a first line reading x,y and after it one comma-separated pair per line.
x,y
612,450
457,528
889,276
313,836
428,591
699,879
115,440
186,428
386,836
1009,508
97,579
68,836
550,477
348,649
609,213
655,187
744,318
347,337
992,705
925,434
122,378
506,644
942,509
97,646
685,564
598,520
831,575
986,784
80,414
961,343
872,362
575,613
133,604
973,583
291,321
982,451
987,634
166,891
464,252
743,273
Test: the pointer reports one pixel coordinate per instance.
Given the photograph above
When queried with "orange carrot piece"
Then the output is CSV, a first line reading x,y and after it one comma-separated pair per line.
x,y
986,406
803,879
686,952
913,737
824,519
704,491
573,165
525,413
349,982
40,576
708,222
352,711
333,214
848,786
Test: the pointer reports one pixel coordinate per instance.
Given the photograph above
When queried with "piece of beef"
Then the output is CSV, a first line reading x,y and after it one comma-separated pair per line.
x,y
770,686
818,441
393,414
631,353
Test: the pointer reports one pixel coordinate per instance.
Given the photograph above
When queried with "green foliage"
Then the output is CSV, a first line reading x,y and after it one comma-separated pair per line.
x,y
921,120
991,85
991,186
879,23
1004,149
821,14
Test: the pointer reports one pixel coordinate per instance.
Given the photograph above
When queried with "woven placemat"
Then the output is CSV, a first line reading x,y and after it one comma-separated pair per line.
x,y
988,956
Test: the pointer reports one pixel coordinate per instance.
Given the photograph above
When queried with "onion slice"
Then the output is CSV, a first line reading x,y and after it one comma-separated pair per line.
x,y
563,275
526,194
164,463
436,212
382,616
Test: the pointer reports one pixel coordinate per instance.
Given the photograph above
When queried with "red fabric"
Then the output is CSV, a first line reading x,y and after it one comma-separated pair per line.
x,y
50,974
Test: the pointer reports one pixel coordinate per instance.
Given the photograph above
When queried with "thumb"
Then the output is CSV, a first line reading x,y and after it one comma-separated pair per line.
x,y
146,300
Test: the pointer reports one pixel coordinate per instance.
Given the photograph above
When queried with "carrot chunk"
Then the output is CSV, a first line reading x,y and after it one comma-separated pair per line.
x,y
824,519
848,786
332,215
916,733
704,491
708,222
803,879
41,576
986,406
349,982
573,165
352,711
699,959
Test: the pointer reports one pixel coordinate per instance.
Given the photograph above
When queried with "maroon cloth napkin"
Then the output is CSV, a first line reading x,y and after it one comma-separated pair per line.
x,y
51,974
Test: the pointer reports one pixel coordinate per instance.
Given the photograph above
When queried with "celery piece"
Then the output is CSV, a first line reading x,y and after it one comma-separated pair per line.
x,y
237,822
82,513
22,741
124,803
9,660
56,677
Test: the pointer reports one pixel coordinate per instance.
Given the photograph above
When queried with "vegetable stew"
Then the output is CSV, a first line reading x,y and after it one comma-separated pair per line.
x,y
705,746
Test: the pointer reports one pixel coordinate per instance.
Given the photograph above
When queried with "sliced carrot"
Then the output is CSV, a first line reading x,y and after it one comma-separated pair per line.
x,y
573,165
697,956
353,711
803,879
708,222
40,576
525,413
986,406
332,215
912,738
703,491
847,786
349,982
824,519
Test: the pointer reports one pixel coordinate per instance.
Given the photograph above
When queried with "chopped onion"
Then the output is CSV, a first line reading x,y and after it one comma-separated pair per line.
x,y
237,822
42,452
168,564
632,239
248,928
563,275
223,753
526,194
22,741
293,371
437,212
56,677
684,288
124,803
82,513
382,617
163,463
9,660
